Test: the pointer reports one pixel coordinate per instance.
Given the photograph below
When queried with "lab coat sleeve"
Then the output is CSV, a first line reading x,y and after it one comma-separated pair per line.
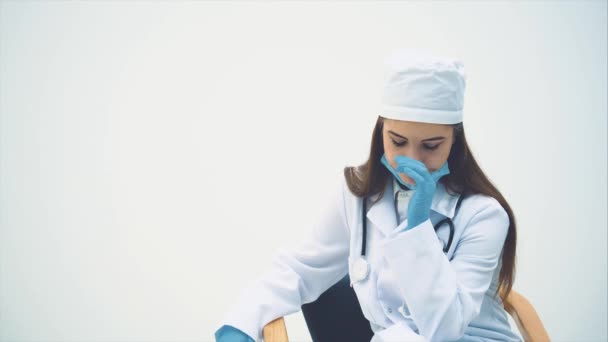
x,y
444,296
300,274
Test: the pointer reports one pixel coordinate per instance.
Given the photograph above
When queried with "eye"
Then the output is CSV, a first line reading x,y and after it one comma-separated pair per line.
x,y
426,147
398,143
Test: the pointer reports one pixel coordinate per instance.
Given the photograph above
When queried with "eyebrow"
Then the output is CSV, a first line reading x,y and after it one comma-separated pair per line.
x,y
429,139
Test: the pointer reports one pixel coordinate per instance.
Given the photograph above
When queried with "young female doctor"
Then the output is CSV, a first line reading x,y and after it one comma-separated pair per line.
x,y
427,240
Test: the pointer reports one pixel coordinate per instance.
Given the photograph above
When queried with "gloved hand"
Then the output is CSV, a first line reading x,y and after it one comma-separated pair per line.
x,y
419,206
228,333
395,173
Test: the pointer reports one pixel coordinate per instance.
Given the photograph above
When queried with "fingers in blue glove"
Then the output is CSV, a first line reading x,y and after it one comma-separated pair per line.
x,y
414,174
228,333
413,168
420,168
404,161
395,173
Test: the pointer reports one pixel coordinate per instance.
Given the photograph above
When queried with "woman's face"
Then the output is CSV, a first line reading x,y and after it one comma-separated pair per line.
x,y
425,142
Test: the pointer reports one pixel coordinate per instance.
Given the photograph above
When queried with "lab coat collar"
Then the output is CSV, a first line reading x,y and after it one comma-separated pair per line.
x,y
382,214
397,188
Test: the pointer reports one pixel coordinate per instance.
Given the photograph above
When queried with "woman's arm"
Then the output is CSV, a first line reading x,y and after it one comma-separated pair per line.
x,y
298,275
444,296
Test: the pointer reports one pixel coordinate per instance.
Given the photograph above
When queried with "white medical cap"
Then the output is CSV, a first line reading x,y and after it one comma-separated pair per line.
x,y
424,87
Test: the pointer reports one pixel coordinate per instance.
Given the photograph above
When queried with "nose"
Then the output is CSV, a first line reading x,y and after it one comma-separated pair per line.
x,y
413,153
414,156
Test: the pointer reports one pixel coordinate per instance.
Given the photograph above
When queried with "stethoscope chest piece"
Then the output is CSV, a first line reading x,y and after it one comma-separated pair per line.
x,y
360,270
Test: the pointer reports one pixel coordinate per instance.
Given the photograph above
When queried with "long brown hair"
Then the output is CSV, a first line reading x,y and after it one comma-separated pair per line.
x,y
465,178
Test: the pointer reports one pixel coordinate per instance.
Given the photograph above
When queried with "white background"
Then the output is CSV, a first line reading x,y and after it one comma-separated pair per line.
x,y
154,155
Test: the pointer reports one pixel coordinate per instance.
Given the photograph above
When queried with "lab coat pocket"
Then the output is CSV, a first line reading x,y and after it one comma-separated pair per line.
x,y
407,315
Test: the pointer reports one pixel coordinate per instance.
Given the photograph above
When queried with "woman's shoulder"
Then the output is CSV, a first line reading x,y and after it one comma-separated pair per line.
x,y
348,199
480,201
482,205
483,215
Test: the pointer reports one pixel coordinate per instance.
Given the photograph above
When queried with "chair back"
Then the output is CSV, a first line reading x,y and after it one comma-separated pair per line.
x,y
336,316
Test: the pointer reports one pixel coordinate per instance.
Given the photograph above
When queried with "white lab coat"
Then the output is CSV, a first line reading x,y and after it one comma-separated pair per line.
x,y
414,292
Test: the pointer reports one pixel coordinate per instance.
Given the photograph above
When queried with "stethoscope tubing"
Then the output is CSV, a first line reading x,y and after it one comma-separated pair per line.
x,y
436,226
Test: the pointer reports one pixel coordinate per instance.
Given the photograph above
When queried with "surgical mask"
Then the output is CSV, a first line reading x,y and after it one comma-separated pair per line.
x,y
437,174
395,173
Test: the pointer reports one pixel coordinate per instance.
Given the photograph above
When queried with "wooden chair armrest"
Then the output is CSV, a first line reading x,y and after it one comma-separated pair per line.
x,y
276,331
528,322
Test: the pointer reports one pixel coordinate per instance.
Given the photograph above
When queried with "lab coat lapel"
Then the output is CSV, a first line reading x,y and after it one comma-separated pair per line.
x,y
443,202
383,213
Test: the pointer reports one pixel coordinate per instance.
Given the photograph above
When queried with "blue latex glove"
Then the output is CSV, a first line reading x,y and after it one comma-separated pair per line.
x,y
419,206
228,333
426,183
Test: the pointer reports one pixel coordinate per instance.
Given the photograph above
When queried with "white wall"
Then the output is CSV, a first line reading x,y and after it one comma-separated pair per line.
x,y
154,155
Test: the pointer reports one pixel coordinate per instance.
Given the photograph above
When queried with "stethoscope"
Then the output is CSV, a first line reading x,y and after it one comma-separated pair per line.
x,y
361,266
